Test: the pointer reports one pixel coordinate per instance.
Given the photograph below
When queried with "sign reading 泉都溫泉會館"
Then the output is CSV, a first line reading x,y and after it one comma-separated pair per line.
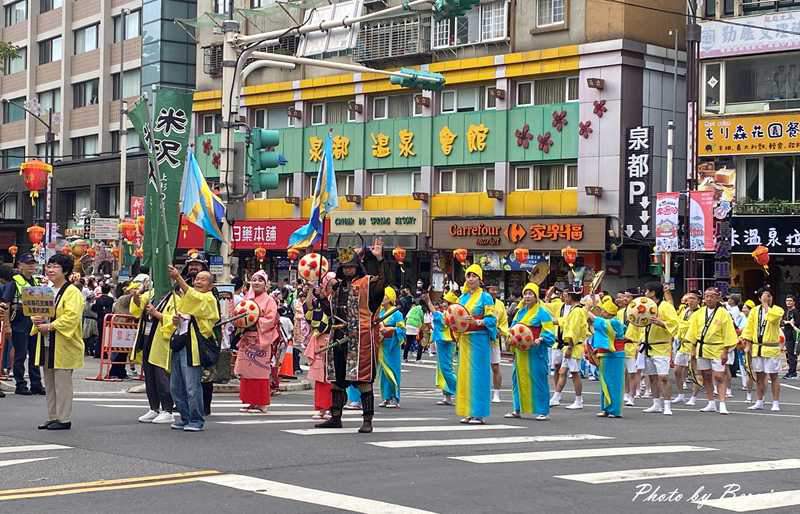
x,y
378,222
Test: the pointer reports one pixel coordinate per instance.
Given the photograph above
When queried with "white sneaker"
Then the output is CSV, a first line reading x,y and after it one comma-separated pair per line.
x,y
656,407
575,405
148,417
723,409
667,408
679,399
629,402
710,407
749,397
776,407
555,401
691,401
163,418
759,405
495,396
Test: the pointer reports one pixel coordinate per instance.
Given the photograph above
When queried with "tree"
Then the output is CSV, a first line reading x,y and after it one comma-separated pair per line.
x,y
8,51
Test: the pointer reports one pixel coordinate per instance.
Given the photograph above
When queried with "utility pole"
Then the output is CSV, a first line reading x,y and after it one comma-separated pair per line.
x,y
693,33
123,131
230,111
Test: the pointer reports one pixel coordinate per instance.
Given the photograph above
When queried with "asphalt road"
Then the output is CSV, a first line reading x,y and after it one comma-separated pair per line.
x,y
109,463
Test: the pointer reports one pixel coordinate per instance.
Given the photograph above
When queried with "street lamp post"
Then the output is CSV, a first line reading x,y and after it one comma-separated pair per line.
x,y
123,131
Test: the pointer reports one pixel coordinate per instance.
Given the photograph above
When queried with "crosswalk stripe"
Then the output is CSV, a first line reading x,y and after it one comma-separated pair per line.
x,y
14,462
754,502
218,403
424,366
579,453
432,428
480,441
630,475
281,413
304,420
32,448
236,406
308,495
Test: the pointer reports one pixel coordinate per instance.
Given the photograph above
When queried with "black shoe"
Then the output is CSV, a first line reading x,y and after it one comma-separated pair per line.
x,y
46,424
334,422
57,425
40,391
23,391
2,394
366,426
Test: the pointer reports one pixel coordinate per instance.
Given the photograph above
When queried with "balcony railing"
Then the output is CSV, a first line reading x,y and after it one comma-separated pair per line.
x,y
753,6
393,39
766,208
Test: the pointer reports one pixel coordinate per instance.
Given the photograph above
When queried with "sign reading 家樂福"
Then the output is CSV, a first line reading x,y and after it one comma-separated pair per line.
x,y
638,182
378,222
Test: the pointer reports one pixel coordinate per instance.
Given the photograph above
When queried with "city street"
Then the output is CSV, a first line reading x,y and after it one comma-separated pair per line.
x,y
419,459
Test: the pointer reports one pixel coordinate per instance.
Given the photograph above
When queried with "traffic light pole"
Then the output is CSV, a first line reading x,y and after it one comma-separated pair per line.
x,y
229,90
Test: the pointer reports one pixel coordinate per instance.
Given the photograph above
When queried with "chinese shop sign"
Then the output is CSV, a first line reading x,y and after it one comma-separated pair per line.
x,y
269,234
637,177
378,222
781,234
750,135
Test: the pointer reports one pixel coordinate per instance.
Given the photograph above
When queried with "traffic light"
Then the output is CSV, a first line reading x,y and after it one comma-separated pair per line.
x,y
262,158
443,9
656,265
419,80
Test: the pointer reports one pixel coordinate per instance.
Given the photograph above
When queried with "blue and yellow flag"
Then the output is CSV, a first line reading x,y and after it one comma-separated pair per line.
x,y
325,200
199,204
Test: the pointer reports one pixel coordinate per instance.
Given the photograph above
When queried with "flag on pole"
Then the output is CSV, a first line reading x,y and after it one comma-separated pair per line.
x,y
198,203
325,200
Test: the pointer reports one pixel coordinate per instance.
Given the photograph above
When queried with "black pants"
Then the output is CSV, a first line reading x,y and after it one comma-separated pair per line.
x,y
208,392
24,347
410,340
156,380
791,357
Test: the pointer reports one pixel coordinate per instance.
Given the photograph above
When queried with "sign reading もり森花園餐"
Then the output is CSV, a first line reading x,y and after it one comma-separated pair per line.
x,y
510,233
378,222
749,135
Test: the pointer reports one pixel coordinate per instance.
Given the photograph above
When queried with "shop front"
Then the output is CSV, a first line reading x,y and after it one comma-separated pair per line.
x,y
399,229
500,245
273,237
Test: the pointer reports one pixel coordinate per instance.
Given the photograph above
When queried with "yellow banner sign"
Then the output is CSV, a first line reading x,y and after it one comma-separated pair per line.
x,y
749,135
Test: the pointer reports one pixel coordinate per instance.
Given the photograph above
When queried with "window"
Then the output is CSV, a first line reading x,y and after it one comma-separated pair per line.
x,y
713,86
547,91
466,180
770,179
755,6
8,207
524,96
419,109
379,108
272,118
352,115
490,101
257,4
132,141
133,25
335,112
710,8
13,157
131,84
545,178
13,110
41,150
317,114
220,6
212,123
84,147
400,106
16,12
482,24
85,93
72,202
345,183
448,101
393,183
283,190
86,39
378,184
416,182
50,50
49,5
18,63
107,203
549,12
572,89
467,99
50,100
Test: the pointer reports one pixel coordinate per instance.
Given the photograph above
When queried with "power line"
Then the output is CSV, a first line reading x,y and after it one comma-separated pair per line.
x,y
704,18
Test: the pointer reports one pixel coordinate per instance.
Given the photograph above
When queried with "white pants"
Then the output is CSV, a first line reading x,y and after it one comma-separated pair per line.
x,y
712,364
683,359
769,365
495,358
656,366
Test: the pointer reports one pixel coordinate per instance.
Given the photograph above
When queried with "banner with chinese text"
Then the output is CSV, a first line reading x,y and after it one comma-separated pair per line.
x,y
667,221
701,221
749,135
781,234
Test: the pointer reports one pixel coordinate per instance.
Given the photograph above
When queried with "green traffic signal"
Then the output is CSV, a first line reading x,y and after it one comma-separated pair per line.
x,y
262,158
418,79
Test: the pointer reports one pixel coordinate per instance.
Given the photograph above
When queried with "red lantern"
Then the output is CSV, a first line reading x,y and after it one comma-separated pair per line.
x,y
128,229
399,254
521,255
761,256
35,234
140,224
12,250
569,254
260,253
34,175
460,255
293,254
91,252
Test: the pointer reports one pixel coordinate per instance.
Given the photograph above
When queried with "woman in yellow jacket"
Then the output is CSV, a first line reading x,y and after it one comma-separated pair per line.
x,y
59,346
762,341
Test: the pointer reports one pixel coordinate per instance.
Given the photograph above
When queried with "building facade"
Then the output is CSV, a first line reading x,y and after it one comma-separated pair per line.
x,y
523,148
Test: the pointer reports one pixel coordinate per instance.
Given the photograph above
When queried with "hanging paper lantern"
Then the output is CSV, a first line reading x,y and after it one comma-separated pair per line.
x,y
12,250
521,255
140,224
91,252
128,230
761,256
138,253
259,252
293,254
569,254
460,255
36,234
34,175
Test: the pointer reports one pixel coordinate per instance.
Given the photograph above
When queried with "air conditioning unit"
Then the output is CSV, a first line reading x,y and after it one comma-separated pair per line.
x,y
212,60
375,5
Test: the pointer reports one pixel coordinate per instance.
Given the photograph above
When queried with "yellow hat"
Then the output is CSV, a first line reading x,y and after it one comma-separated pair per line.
x,y
476,269
750,303
390,294
608,305
450,297
530,286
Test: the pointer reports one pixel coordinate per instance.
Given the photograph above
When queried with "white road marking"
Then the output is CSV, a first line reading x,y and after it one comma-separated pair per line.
x,y
13,462
579,453
631,475
790,387
414,365
480,441
697,411
754,502
303,420
236,406
308,495
281,413
433,428
32,448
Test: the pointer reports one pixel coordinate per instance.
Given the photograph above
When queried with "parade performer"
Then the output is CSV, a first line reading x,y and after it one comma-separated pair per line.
x,y
253,356
317,307
560,308
445,346
473,384
530,376
683,355
763,344
152,346
607,349
575,327
390,355
502,333
351,358
712,332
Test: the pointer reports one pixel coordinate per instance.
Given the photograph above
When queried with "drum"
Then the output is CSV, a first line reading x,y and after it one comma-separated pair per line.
x,y
312,266
456,318
641,311
249,311
521,336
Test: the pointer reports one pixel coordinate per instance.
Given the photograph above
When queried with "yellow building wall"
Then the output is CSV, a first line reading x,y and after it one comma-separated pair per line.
x,y
385,203
272,209
541,203
344,205
465,204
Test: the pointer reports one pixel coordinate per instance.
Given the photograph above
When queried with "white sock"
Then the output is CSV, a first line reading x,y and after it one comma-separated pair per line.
x,y
667,404
579,400
776,403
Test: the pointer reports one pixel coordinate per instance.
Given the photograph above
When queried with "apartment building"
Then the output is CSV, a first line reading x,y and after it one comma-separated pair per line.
x,y
525,143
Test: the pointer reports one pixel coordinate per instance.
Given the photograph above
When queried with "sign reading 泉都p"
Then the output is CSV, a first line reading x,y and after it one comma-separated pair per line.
x,y
378,222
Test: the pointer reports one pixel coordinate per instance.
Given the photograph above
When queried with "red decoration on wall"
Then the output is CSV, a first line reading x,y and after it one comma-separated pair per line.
x,y
215,160
560,120
207,146
585,129
545,142
524,136
600,108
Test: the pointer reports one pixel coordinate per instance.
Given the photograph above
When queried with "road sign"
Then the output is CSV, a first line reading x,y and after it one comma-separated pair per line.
x,y
104,229
215,264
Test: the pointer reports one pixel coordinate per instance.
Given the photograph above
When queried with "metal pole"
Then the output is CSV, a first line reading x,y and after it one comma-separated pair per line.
x,y
693,33
123,131
49,191
670,157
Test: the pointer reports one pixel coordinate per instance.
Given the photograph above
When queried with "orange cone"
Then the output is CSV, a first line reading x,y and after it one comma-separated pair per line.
x,y
287,366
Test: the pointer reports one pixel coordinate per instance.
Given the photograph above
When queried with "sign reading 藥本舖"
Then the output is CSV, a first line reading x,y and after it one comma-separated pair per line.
x,y
749,135
378,222
509,233
781,234
267,234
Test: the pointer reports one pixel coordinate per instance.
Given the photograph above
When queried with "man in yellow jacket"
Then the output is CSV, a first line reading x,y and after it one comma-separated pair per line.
x,y
763,343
